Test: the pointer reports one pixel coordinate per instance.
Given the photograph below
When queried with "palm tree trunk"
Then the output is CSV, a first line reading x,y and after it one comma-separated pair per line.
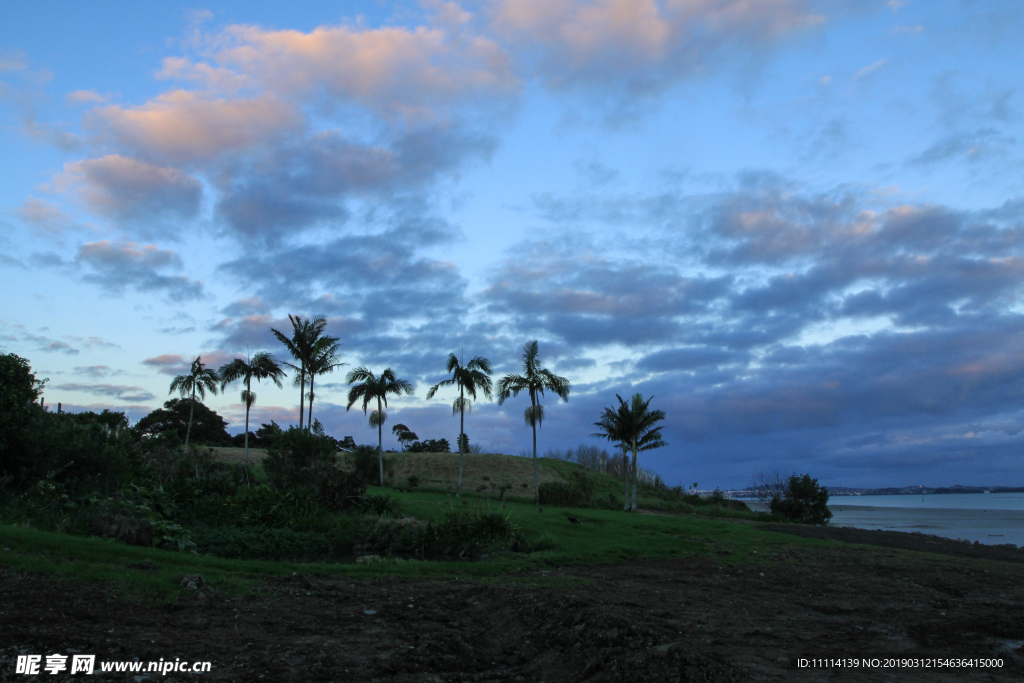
x,y
634,474
302,391
309,418
248,389
462,429
625,476
380,443
191,411
536,476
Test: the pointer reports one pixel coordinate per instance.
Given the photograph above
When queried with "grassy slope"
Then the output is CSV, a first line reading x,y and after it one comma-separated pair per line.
x,y
602,536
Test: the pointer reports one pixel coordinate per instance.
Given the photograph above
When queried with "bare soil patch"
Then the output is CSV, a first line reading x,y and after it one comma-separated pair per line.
x,y
683,620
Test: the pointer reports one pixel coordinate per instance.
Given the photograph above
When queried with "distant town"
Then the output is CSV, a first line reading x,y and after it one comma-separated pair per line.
x,y
749,492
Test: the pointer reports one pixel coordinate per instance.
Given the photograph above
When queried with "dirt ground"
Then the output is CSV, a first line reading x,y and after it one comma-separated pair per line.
x,y
682,620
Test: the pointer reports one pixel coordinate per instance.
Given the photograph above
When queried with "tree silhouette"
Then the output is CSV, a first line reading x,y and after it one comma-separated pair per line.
x,y
259,367
305,334
371,387
640,430
535,380
323,359
469,378
613,426
199,379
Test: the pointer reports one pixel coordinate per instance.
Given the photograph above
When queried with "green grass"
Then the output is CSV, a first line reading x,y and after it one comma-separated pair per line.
x,y
602,536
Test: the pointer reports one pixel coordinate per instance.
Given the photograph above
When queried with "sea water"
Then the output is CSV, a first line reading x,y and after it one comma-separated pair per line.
x,y
990,518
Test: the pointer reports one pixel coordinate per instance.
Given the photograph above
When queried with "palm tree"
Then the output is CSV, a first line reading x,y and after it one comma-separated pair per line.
x,y
613,427
259,367
642,432
305,333
372,387
469,378
535,380
322,360
198,380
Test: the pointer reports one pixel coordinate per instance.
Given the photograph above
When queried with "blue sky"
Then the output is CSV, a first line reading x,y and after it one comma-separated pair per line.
x,y
799,225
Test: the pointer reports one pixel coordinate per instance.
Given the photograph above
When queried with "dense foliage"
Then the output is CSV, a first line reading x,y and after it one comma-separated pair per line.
x,y
803,501
207,426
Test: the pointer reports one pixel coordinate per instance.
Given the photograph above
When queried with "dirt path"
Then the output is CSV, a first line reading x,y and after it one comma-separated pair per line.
x,y
685,620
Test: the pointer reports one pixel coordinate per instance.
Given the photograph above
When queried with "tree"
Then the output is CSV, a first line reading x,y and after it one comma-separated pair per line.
x,y
323,359
199,379
370,388
259,367
469,378
534,380
804,501
404,435
632,426
181,416
19,392
642,432
612,426
305,333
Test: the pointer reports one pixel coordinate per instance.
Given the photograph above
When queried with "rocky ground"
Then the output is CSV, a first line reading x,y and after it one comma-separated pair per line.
x,y
696,619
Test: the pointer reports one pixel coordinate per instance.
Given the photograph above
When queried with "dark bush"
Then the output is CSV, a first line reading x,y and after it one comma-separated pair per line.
x,y
577,492
265,543
430,446
381,506
342,490
299,458
367,465
804,501
19,394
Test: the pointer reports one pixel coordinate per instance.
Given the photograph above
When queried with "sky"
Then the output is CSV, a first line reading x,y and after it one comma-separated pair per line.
x,y
797,224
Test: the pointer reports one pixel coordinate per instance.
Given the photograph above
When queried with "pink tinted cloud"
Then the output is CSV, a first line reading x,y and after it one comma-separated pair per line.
x,y
123,188
182,126
390,70
639,45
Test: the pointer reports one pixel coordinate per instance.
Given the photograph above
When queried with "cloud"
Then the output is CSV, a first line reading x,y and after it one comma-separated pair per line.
x,y
971,147
120,392
79,97
169,364
125,189
97,371
186,127
46,218
627,49
870,69
117,266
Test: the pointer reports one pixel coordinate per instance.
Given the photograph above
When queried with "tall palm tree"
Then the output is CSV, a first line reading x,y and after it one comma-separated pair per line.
x,y
473,376
304,336
199,379
372,387
323,359
613,426
535,379
259,367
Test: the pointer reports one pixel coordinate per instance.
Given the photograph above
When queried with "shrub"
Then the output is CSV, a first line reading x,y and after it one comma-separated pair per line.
x,y
577,492
265,543
803,501
297,508
430,446
342,490
19,391
299,458
381,506
367,464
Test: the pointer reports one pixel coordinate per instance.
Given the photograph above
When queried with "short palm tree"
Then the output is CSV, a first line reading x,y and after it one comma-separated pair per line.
x,y
323,359
199,379
469,378
371,387
535,380
641,432
613,427
305,333
259,367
